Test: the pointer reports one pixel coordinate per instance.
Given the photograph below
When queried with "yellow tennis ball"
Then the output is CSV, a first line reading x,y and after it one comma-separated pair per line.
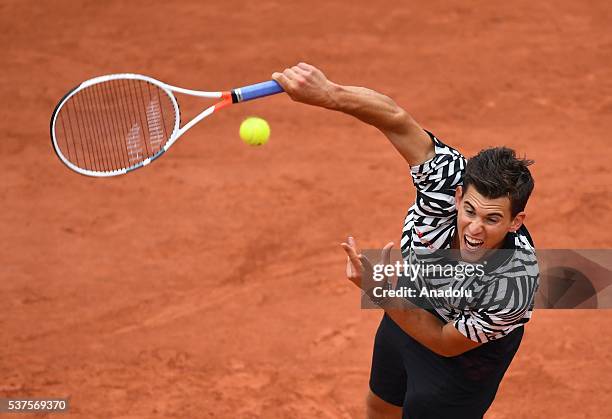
x,y
255,131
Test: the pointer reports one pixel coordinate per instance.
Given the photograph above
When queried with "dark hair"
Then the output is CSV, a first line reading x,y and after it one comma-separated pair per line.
x,y
496,172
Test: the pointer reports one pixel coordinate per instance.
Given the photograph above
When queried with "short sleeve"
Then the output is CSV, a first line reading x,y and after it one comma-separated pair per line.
x,y
433,214
442,171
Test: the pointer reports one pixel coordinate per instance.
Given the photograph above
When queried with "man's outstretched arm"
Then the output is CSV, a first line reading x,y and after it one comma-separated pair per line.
x,y
441,338
307,84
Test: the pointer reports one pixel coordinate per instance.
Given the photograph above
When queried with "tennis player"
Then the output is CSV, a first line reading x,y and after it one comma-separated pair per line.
x,y
447,359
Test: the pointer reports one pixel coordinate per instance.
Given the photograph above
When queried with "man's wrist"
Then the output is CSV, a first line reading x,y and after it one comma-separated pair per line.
x,y
381,298
334,92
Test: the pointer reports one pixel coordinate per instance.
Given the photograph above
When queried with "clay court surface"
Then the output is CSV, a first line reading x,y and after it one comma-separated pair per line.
x,y
211,283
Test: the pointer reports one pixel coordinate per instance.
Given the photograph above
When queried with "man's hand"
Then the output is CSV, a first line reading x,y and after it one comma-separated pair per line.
x,y
443,339
359,269
307,84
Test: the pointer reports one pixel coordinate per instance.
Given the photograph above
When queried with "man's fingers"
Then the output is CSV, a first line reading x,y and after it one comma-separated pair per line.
x,y
281,79
294,76
353,257
288,81
350,271
299,70
359,268
365,262
386,254
350,251
351,241
305,66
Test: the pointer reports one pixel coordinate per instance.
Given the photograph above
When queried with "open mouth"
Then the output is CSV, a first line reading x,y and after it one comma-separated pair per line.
x,y
472,243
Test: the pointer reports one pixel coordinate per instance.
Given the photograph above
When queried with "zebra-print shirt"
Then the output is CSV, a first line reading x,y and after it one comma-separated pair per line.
x,y
503,298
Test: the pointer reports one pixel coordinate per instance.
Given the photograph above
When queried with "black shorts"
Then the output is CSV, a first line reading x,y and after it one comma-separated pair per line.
x,y
427,385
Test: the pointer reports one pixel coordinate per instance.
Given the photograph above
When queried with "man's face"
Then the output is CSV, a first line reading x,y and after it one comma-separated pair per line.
x,y
482,223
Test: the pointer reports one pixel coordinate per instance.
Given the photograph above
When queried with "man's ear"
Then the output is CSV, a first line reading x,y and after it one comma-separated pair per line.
x,y
458,196
517,222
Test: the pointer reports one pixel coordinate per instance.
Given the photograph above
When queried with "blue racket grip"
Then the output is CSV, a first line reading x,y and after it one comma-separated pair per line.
x,y
254,91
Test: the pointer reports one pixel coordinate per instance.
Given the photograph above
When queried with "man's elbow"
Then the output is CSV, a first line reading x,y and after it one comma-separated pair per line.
x,y
400,121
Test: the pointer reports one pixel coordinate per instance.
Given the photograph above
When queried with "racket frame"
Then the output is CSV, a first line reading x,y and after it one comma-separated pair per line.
x,y
226,98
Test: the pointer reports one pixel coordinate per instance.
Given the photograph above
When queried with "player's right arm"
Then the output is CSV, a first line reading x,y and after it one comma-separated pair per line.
x,y
307,84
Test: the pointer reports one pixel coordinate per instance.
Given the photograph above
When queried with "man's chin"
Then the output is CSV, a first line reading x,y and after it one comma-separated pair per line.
x,y
472,255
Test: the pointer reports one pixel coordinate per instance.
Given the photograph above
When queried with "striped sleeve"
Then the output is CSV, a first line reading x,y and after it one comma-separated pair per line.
x,y
431,219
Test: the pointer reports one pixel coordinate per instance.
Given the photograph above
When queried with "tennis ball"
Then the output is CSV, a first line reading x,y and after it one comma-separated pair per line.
x,y
255,131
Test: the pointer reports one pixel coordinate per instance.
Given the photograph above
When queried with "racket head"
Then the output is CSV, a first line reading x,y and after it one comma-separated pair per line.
x,y
113,124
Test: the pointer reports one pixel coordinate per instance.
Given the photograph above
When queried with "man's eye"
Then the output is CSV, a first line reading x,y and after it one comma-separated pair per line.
x,y
469,211
492,220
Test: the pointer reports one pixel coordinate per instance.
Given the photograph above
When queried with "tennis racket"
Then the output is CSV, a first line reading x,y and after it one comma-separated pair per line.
x,y
111,125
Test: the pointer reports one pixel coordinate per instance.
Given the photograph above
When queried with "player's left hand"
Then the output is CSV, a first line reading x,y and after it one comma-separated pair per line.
x,y
359,269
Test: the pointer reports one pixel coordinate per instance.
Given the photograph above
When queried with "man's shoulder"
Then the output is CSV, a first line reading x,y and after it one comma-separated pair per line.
x,y
444,155
440,147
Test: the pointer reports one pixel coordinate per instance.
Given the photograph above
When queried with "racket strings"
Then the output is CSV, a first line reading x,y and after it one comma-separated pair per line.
x,y
115,124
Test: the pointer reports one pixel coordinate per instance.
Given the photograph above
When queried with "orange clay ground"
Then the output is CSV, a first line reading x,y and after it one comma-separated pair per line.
x,y
211,284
